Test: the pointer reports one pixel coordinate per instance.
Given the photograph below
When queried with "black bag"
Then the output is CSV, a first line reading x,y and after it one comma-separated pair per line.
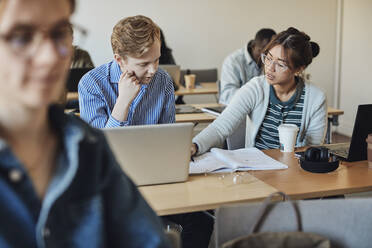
x,y
278,239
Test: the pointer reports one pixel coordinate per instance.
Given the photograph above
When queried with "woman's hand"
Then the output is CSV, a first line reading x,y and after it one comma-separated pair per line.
x,y
194,149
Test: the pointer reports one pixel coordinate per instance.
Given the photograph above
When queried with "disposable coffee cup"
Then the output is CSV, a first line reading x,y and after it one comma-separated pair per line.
x,y
190,81
287,137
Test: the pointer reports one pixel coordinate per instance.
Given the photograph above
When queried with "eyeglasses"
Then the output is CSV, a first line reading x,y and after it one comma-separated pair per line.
x,y
25,41
268,61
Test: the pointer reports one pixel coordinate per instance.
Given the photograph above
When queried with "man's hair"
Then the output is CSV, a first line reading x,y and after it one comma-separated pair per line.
x,y
264,35
134,36
73,5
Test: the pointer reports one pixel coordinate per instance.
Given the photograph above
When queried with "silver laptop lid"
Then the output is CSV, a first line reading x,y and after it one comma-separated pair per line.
x,y
152,154
174,71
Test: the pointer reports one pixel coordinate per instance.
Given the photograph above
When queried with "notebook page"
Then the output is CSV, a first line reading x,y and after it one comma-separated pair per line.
x,y
247,159
206,163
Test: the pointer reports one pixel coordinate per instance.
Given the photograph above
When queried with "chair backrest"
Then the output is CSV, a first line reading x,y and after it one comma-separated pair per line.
x,y
74,77
203,75
237,139
346,222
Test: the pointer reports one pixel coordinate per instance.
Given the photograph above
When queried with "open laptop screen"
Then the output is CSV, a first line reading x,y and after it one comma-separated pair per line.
x,y
362,127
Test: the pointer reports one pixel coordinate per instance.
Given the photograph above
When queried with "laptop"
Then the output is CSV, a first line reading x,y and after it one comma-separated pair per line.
x,y
187,109
357,149
152,154
174,72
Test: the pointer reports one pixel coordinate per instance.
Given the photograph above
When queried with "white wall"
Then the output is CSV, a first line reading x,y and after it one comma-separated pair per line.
x,y
202,32
356,63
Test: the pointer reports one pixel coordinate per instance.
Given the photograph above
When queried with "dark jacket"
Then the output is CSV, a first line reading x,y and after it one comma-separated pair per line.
x,y
90,202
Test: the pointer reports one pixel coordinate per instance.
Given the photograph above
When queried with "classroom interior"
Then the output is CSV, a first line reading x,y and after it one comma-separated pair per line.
x,y
201,33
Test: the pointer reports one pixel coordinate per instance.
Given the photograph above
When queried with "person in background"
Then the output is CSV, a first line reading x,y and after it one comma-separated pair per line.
x,y
166,58
60,183
129,90
243,65
279,96
81,59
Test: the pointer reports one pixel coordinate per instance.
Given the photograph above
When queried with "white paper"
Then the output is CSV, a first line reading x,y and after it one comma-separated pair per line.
x,y
206,163
210,111
219,160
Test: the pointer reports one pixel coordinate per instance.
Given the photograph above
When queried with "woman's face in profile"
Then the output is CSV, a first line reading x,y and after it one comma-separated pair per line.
x,y
35,51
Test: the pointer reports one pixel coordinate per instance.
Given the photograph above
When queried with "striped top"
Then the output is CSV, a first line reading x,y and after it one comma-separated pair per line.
x,y
277,113
98,91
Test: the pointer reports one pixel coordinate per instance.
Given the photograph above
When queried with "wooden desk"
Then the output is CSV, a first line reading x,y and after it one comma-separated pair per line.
x,y
334,111
198,117
72,96
206,88
203,192
333,115
299,184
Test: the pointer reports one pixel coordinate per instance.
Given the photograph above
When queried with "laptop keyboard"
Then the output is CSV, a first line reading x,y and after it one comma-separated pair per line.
x,y
341,152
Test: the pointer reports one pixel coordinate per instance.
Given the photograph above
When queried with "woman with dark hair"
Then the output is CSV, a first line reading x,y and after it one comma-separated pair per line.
x,y
166,57
59,181
279,96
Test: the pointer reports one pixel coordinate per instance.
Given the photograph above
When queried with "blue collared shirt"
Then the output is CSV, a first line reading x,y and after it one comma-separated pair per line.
x,y
98,91
90,202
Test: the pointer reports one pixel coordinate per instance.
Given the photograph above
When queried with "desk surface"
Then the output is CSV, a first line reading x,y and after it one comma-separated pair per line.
x,y
203,192
299,184
72,96
205,88
334,111
206,117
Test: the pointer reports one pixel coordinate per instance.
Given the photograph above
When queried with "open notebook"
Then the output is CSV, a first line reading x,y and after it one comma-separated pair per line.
x,y
219,160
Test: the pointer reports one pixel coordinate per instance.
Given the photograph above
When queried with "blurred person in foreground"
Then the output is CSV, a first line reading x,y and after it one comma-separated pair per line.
x,y
60,183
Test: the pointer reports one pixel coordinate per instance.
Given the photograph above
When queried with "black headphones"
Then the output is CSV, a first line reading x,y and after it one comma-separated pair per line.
x,y
318,160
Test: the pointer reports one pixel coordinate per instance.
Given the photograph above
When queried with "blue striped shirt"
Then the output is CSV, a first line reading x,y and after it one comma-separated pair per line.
x,y
98,91
278,112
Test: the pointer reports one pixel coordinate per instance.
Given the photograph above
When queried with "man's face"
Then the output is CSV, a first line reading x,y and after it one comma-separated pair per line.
x,y
35,51
144,67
